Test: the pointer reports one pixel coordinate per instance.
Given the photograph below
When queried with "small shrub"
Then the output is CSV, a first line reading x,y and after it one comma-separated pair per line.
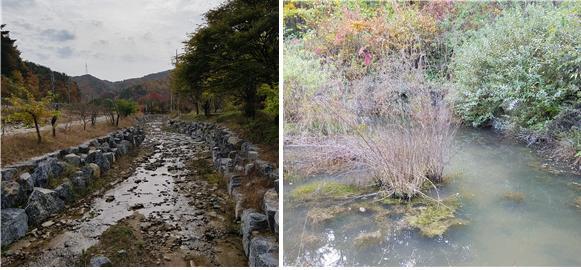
x,y
525,65
399,127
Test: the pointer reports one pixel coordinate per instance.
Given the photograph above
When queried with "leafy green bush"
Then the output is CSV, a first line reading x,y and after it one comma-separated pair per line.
x,y
126,107
304,76
524,66
271,99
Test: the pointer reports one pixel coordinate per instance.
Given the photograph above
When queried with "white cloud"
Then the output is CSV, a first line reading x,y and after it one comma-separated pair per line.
x,y
117,39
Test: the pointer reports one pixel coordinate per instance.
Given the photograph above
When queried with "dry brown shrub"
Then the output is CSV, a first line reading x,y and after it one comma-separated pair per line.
x,y
393,122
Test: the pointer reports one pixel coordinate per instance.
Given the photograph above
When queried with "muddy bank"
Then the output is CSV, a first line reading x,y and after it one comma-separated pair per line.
x,y
252,184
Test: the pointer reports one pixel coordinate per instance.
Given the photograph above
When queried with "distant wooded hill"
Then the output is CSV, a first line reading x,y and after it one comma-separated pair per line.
x,y
92,87
37,79
40,81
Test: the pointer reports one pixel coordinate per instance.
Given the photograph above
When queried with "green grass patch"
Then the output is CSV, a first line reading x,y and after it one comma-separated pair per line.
x,y
120,244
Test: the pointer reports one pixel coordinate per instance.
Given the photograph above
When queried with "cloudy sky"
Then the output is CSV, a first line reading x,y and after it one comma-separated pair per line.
x,y
117,39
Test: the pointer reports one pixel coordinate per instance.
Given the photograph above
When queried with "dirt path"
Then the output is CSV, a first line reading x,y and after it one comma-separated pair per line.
x,y
167,207
13,130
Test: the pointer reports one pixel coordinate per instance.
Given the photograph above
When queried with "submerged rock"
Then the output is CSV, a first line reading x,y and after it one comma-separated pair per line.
x,y
100,261
514,196
41,204
366,239
14,225
318,216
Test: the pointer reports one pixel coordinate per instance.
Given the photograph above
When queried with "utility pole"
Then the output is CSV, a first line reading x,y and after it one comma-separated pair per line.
x,y
170,91
69,88
86,68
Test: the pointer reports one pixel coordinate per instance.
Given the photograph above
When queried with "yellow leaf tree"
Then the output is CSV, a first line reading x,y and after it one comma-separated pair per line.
x,y
28,109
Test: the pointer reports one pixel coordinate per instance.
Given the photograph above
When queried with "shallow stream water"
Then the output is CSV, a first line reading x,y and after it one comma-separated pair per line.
x,y
544,229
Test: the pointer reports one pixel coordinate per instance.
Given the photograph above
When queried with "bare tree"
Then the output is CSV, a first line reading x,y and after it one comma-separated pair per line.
x,y
83,111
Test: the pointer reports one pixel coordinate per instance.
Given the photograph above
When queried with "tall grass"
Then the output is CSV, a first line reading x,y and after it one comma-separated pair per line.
x,y
393,122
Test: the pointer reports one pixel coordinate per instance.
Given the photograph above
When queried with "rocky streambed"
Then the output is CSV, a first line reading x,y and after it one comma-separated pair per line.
x,y
164,205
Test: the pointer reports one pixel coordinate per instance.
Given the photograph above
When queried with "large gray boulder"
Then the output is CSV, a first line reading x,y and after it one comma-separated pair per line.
x,y
73,159
263,167
263,252
251,221
105,147
65,191
25,180
127,144
44,170
81,179
270,207
122,148
234,182
276,223
14,225
98,158
12,194
8,174
41,204
110,157
84,148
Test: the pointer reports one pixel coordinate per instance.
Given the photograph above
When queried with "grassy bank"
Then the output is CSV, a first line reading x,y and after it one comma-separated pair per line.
x,y
261,130
20,147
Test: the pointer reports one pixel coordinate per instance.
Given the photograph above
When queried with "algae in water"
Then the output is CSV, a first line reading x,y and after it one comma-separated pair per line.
x,y
435,218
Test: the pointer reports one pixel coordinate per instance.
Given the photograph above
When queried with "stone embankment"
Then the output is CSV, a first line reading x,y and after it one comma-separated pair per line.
x,y
34,190
252,183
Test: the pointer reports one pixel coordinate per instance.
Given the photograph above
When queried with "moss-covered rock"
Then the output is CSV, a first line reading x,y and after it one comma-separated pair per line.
x,y
368,239
436,217
318,216
514,196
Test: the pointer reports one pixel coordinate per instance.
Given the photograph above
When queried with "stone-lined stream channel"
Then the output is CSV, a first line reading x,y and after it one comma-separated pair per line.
x,y
519,213
182,218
